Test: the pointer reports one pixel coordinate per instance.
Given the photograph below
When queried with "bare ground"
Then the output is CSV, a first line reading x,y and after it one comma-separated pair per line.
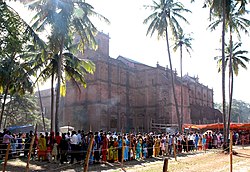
x,y
212,160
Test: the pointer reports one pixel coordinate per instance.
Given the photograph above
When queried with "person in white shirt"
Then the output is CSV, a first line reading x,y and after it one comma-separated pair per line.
x,y
79,137
75,153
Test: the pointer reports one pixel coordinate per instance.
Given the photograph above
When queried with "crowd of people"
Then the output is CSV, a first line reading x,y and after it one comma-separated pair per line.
x,y
110,147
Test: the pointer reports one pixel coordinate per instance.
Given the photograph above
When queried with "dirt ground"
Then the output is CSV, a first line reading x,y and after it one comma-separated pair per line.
x,y
212,160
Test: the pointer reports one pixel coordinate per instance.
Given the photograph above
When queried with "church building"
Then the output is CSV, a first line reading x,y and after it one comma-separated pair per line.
x,y
124,94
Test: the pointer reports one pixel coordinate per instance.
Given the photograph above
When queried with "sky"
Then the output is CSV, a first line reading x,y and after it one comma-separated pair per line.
x,y
128,38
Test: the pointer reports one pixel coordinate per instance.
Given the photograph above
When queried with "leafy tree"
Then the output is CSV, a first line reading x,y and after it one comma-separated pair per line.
x,y
15,72
65,18
22,110
179,42
240,111
164,17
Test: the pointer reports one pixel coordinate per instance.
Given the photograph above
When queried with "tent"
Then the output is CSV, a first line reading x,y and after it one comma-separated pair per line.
x,y
234,126
21,129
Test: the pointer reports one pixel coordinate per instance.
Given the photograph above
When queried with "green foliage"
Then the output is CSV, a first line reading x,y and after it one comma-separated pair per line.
x,y
240,111
11,32
166,13
238,58
183,40
236,20
23,110
68,20
16,70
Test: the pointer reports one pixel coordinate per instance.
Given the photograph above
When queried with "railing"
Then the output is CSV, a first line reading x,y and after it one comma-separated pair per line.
x,y
162,126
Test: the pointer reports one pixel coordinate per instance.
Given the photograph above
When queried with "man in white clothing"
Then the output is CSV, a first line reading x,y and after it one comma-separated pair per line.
x,y
74,147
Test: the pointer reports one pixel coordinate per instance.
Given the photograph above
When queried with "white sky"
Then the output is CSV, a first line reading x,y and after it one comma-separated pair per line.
x,y
128,39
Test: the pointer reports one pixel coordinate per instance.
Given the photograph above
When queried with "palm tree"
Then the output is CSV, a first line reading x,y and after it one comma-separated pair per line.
x,y
234,22
182,40
65,17
234,59
74,68
165,15
221,8
238,58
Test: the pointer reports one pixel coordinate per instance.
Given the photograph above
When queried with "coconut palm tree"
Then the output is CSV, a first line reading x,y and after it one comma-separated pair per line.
x,y
238,58
74,68
234,58
235,22
165,16
221,8
182,40
65,18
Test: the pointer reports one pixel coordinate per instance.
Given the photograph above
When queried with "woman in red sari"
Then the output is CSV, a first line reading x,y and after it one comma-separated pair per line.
x,y
104,147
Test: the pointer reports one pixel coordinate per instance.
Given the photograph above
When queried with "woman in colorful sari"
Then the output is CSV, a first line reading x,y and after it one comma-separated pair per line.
x,y
162,146
200,143
104,145
126,148
204,142
138,149
42,148
150,144
115,151
144,146
111,150
119,147
133,151
157,146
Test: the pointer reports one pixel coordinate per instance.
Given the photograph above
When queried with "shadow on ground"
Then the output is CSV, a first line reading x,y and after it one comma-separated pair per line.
x,y
19,164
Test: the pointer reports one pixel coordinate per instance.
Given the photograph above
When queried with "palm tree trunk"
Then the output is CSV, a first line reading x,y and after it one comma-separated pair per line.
x,y
225,135
52,102
6,117
230,82
173,83
182,115
5,121
59,72
3,104
41,106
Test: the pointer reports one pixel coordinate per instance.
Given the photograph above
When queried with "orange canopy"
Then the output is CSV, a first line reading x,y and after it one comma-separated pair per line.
x,y
236,126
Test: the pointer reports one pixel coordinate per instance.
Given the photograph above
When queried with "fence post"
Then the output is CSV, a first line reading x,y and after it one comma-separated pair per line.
x,y
231,151
30,149
165,165
187,144
174,149
242,141
86,163
6,157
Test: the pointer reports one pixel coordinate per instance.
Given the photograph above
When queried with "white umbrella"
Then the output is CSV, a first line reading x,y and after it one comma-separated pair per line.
x,y
208,131
66,129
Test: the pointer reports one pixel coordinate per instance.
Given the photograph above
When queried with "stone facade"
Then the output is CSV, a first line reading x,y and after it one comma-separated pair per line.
x,y
125,94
